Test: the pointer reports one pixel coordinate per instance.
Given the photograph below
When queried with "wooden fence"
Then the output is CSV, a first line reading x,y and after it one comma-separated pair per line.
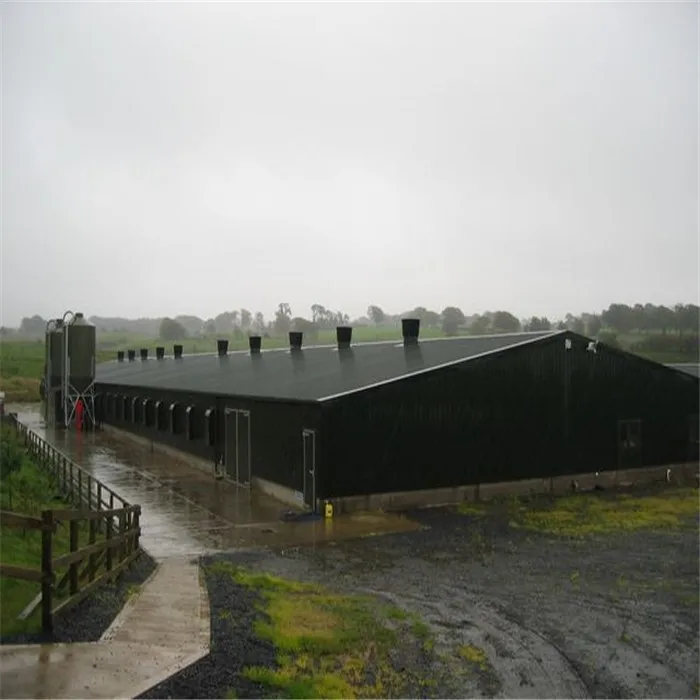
x,y
110,523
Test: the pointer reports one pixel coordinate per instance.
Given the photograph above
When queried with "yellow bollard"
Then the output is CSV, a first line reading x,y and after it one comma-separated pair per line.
x,y
329,509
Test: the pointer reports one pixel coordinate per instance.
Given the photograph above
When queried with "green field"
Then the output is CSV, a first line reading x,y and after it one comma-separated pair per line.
x,y
22,361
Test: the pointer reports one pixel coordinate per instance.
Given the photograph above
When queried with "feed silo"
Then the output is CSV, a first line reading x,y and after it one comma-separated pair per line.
x,y
54,353
81,354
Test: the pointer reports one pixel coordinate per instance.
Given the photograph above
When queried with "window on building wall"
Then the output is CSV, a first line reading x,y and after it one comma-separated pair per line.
x,y
177,416
126,404
210,426
147,412
136,409
161,416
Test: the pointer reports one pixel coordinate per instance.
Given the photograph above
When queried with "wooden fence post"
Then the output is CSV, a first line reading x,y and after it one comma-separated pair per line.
x,y
99,505
108,537
122,530
92,558
47,572
74,546
137,520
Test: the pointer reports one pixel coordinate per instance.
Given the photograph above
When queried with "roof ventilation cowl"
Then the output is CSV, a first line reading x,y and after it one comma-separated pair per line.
x,y
132,355
222,347
410,328
295,340
144,354
177,352
343,335
255,344
160,352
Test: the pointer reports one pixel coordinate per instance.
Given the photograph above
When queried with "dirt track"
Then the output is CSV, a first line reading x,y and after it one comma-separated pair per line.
x,y
614,615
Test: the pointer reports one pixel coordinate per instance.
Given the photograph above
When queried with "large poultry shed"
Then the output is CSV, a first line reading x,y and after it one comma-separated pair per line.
x,y
350,419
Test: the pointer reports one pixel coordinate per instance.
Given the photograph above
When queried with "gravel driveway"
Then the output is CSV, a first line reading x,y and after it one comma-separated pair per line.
x,y
513,613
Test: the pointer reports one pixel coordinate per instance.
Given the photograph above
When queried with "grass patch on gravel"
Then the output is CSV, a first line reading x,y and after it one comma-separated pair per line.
x,y
330,645
583,514
587,514
474,655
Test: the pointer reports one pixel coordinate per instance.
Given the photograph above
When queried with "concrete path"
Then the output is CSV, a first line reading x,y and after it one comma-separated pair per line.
x,y
160,631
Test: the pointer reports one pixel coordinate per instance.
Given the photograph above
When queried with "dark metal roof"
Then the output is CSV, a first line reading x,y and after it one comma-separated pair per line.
x,y
691,368
312,374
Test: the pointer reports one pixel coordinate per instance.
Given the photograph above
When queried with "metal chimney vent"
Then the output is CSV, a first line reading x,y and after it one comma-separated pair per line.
x,y
343,335
144,354
132,355
222,347
411,330
160,353
120,356
177,351
295,340
255,343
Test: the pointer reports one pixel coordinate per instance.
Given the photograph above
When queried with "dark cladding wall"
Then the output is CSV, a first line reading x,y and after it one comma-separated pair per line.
x,y
537,410
276,445
195,441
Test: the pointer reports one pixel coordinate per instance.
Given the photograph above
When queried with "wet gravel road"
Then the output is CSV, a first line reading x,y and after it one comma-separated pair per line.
x,y
609,617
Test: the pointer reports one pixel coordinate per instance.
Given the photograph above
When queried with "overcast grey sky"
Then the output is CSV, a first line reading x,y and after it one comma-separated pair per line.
x,y
193,158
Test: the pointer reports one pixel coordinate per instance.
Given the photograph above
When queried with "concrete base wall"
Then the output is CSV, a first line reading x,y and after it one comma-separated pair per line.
x,y
280,493
159,447
284,494
677,474
431,498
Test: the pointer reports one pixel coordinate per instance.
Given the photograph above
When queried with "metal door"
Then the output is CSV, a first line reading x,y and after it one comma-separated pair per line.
x,y
230,443
237,446
243,452
309,448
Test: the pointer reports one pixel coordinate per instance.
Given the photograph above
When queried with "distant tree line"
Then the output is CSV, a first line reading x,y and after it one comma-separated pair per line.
x,y
679,320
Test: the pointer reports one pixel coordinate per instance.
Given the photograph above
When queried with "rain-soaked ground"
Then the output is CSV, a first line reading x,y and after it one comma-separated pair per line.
x,y
535,615
185,511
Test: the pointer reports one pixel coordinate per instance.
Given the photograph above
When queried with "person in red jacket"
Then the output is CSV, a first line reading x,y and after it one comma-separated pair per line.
x,y
79,414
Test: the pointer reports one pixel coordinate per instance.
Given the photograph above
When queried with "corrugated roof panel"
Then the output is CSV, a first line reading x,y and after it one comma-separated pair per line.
x,y
315,373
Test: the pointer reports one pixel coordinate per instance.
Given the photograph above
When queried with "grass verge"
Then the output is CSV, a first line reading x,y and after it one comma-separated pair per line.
x,y
584,514
333,646
26,489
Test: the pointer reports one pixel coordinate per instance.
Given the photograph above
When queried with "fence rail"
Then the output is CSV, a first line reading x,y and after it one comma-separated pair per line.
x,y
112,525
75,483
